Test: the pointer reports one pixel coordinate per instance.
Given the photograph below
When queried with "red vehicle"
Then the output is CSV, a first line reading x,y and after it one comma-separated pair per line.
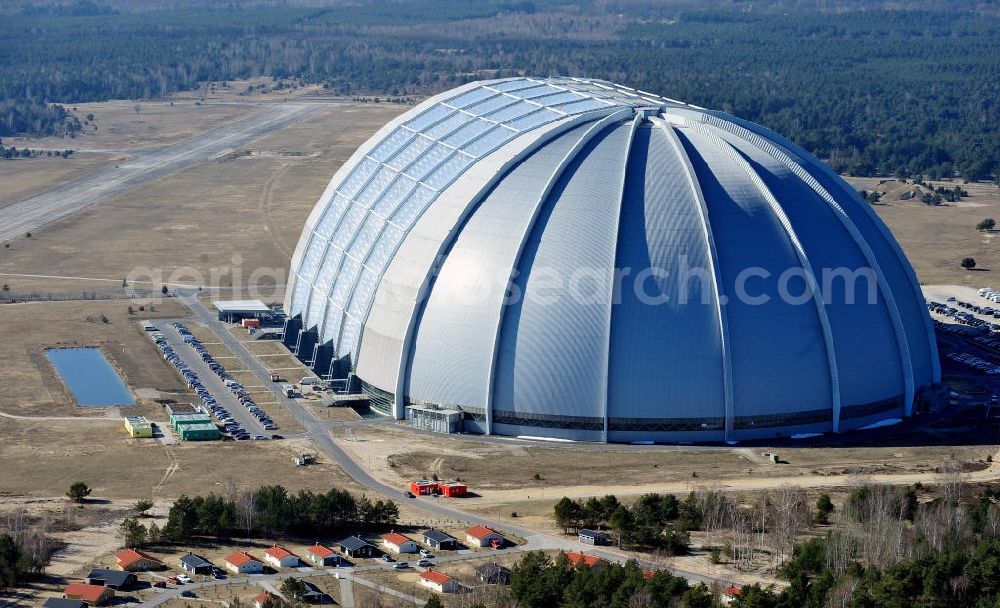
x,y
275,377
173,580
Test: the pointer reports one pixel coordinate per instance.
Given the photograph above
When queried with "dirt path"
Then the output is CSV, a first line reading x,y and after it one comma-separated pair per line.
x,y
266,200
116,419
489,497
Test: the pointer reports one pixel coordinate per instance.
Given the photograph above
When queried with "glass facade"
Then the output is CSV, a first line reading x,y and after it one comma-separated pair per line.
x,y
379,201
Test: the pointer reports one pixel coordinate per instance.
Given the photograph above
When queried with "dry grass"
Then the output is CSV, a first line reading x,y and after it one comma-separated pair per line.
x,y
25,178
29,385
935,239
244,211
121,129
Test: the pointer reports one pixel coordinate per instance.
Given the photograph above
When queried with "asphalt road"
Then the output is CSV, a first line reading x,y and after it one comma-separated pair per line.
x,y
319,433
144,166
213,384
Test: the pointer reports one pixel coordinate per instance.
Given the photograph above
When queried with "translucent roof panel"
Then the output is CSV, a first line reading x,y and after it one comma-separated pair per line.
x,y
383,195
514,85
467,99
446,126
394,195
467,133
490,141
492,104
390,145
410,153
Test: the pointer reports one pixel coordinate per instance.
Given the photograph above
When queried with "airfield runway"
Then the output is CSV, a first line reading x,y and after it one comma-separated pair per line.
x,y
144,166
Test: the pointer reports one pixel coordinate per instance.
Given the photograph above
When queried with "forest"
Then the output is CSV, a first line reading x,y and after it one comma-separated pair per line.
x,y
870,89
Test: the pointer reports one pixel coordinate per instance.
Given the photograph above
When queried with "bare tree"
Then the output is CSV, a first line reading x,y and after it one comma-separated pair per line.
x,y
950,480
992,525
247,509
841,550
789,513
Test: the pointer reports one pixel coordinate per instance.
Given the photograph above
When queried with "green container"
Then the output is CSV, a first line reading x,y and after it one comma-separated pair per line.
x,y
198,432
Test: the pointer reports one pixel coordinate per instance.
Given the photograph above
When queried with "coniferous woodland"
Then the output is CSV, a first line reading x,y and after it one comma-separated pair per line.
x,y
871,89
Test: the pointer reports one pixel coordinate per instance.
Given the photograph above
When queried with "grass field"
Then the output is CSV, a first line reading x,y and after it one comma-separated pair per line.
x,y
936,238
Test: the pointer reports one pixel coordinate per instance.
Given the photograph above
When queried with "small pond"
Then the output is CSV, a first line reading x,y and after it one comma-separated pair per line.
x,y
89,376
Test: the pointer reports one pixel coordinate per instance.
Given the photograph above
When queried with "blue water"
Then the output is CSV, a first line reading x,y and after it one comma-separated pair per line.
x,y
89,376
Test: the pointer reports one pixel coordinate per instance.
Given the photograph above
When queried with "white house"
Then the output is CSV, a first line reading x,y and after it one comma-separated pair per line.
x,y
397,543
242,562
481,536
280,557
438,581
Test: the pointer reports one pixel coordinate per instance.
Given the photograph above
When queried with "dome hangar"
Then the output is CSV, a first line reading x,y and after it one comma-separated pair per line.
x,y
573,259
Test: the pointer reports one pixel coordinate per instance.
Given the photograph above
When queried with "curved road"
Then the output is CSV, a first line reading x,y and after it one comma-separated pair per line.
x,y
318,431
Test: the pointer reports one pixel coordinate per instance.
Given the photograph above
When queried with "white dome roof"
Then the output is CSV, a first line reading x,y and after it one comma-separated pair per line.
x,y
403,273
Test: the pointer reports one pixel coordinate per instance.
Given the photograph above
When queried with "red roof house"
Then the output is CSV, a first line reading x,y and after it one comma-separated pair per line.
x,y
95,595
262,599
280,557
575,557
398,543
322,555
729,594
133,560
242,562
481,536
438,581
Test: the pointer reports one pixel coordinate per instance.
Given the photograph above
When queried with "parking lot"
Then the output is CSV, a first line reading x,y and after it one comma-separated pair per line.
x,y
216,396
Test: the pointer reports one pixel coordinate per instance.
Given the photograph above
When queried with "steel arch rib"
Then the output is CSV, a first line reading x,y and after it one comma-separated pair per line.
x,y
901,340
817,297
402,370
529,228
614,272
722,317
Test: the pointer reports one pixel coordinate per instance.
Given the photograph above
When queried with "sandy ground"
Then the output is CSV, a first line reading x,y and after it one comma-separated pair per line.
x,y
203,225
506,471
935,239
117,127
24,178
29,385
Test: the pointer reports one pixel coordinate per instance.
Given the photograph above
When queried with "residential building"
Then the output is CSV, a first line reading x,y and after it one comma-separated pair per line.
x,y
322,555
196,564
481,536
438,581
437,539
134,560
493,574
94,595
397,543
242,562
119,580
280,557
352,546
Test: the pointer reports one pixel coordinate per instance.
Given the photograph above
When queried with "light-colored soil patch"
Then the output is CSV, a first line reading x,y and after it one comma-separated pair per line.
x,y
116,466
29,385
27,177
157,123
935,239
505,472
195,226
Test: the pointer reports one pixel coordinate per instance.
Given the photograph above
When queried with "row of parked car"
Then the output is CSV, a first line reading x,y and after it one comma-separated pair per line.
x,y
193,382
231,426
967,318
973,361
